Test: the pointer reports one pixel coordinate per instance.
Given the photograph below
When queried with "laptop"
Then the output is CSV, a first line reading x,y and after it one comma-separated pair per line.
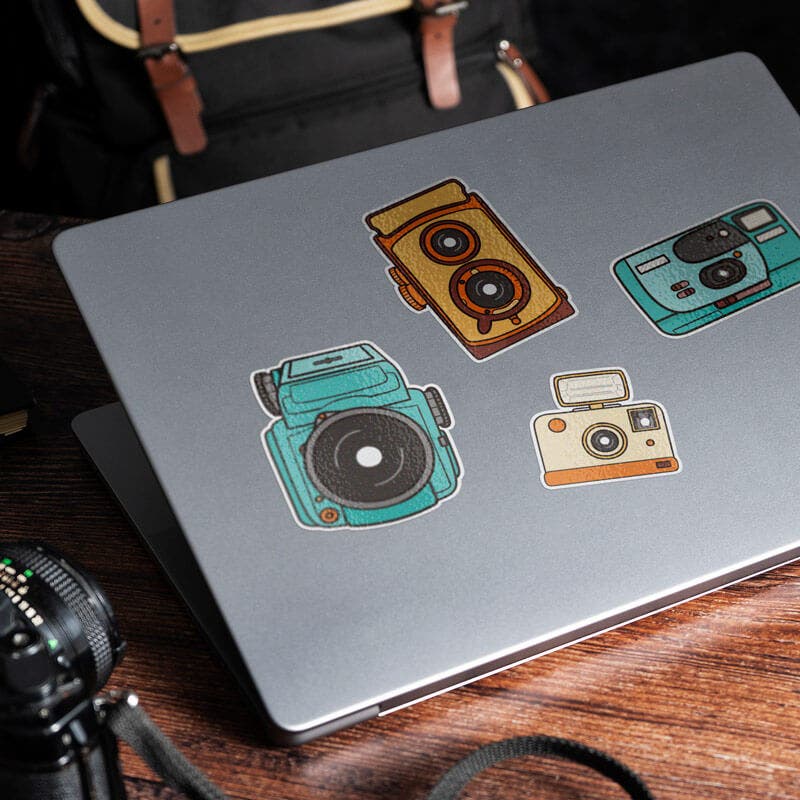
x,y
400,420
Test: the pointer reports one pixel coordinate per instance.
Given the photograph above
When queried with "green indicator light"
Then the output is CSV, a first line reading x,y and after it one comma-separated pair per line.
x,y
28,573
7,561
52,643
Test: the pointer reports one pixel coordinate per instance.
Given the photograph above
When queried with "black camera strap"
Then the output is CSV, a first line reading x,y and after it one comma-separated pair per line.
x,y
129,722
458,776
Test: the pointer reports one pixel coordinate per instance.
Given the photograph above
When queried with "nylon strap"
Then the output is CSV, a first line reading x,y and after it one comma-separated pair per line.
x,y
455,779
128,721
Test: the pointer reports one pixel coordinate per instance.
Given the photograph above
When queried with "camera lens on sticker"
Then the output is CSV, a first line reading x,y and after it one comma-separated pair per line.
x,y
490,289
604,440
450,242
722,274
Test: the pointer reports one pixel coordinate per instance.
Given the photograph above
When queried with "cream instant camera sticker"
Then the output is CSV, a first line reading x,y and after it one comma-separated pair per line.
x,y
451,252
353,445
597,436
697,277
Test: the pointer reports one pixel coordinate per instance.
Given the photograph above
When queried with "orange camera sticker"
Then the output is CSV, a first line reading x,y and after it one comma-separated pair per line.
x,y
352,443
452,253
599,434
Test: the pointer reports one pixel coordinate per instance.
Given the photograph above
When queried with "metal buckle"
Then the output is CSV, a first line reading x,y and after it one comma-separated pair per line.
x,y
444,9
103,702
157,50
451,8
503,54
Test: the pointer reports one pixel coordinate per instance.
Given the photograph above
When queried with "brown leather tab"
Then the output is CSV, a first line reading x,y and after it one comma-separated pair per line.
x,y
170,76
156,21
438,51
512,55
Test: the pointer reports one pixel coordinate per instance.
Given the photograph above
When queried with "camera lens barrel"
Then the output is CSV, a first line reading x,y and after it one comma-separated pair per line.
x,y
27,670
94,775
70,603
59,643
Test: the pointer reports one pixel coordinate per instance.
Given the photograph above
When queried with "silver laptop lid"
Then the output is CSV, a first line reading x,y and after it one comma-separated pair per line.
x,y
556,436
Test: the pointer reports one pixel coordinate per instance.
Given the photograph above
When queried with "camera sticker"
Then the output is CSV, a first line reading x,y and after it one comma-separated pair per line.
x,y
597,436
700,276
353,445
451,252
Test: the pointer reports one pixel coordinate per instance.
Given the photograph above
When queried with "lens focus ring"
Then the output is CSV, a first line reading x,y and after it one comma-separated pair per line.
x,y
50,570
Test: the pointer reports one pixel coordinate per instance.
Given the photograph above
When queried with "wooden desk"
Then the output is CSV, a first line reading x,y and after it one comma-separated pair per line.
x,y
703,700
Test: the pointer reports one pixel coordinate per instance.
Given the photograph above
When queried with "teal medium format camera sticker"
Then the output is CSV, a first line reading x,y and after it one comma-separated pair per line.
x,y
597,435
353,444
452,253
699,276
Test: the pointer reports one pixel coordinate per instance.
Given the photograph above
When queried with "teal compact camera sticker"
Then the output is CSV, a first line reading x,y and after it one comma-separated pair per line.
x,y
353,445
700,276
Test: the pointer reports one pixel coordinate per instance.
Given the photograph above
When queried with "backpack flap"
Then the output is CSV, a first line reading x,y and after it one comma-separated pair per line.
x,y
255,55
280,85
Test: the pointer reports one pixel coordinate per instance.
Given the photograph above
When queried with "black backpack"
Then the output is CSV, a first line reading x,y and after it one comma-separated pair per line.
x,y
157,99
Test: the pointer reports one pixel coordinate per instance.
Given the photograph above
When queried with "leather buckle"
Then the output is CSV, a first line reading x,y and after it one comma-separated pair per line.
x,y
438,19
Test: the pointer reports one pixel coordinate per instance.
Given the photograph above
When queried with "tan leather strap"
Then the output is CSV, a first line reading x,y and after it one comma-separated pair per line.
x,y
170,76
437,28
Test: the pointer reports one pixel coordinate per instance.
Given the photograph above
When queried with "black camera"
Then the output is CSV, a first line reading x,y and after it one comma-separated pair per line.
x,y
58,646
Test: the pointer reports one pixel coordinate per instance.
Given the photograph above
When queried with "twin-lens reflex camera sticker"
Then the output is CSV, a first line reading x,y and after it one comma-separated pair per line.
x,y
600,437
353,445
451,252
698,277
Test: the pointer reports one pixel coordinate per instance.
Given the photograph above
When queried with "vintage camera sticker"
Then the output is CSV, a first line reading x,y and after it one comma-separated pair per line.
x,y
700,276
353,445
597,436
451,252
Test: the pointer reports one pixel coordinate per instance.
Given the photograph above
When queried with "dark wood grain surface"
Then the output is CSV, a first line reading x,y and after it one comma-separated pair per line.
x,y
703,700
